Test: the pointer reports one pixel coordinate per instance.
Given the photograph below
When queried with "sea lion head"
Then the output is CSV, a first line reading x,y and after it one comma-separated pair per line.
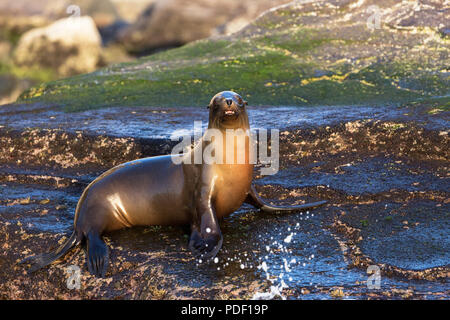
x,y
227,110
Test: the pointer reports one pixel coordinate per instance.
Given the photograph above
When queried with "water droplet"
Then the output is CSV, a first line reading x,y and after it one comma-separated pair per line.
x,y
288,239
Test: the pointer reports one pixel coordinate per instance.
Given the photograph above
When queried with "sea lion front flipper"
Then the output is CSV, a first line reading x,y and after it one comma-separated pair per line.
x,y
205,247
255,200
206,238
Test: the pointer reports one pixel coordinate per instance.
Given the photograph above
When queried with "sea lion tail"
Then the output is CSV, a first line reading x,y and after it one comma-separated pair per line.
x,y
44,259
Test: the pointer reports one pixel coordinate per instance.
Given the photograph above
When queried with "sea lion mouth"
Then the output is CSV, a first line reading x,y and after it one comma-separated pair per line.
x,y
229,119
230,115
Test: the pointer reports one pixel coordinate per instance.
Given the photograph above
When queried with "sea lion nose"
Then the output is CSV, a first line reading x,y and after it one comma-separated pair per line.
x,y
229,101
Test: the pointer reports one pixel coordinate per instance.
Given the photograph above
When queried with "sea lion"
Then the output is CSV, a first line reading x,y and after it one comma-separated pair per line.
x,y
162,191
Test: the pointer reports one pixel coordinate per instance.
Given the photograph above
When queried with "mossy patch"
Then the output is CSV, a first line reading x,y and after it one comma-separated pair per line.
x,y
9,35
286,64
433,105
37,74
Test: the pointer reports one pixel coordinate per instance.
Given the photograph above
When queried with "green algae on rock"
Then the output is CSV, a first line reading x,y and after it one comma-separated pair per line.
x,y
298,54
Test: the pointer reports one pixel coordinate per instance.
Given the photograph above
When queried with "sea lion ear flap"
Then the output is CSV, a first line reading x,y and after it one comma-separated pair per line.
x,y
210,105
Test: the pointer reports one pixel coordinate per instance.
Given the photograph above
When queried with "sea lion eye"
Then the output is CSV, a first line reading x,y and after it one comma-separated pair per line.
x,y
215,103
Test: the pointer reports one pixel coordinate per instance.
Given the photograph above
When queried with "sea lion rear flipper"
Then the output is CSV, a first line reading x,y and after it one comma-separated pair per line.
x,y
44,259
97,255
255,200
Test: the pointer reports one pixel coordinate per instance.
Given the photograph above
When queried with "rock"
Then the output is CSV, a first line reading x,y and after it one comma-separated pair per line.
x,y
445,31
69,46
302,53
130,10
49,9
60,153
110,32
232,26
102,11
20,16
381,162
7,84
167,23
5,50
11,87
415,14
12,27
250,11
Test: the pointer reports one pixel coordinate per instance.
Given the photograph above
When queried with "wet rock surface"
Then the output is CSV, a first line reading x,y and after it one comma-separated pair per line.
x,y
383,171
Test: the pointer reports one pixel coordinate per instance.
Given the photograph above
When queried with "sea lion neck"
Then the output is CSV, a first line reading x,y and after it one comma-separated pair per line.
x,y
242,125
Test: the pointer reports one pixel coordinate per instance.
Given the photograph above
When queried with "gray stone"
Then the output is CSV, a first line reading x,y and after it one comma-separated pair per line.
x,y
69,46
167,23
